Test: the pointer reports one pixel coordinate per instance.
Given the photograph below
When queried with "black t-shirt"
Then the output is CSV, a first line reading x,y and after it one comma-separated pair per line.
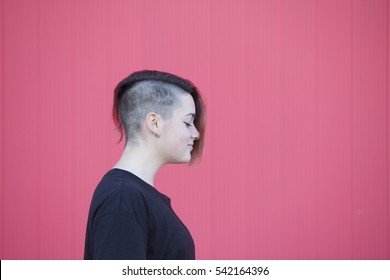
x,y
130,219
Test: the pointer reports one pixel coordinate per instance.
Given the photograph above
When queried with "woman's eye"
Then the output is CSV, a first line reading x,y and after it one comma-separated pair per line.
x,y
187,124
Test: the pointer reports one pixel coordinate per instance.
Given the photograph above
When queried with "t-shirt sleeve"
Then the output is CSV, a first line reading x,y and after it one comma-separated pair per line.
x,y
119,236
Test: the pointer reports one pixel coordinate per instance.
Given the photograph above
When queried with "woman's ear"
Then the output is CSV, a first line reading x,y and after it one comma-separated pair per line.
x,y
153,123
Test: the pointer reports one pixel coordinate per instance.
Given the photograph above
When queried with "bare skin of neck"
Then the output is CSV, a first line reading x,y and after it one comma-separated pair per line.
x,y
141,160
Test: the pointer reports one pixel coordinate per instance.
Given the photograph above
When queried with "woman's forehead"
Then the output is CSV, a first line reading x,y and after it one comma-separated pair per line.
x,y
186,106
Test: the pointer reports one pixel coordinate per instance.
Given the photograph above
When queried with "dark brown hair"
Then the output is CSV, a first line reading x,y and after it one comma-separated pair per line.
x,y
123,105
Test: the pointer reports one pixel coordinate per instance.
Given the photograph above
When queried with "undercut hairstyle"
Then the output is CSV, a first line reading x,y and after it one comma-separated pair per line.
x,y
154,91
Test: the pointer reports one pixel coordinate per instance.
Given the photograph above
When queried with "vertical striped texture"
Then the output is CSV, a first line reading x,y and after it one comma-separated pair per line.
x,y
296,161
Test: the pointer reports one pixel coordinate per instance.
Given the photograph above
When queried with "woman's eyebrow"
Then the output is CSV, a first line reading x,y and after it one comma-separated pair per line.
x,y
191,114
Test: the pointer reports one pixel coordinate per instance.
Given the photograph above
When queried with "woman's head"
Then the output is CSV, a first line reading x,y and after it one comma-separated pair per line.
x,y
163,94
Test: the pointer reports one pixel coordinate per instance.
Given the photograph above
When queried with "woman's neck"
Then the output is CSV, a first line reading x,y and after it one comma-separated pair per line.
x,y
140,162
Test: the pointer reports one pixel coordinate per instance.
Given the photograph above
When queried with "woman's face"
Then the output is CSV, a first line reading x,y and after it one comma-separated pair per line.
x,y
179,133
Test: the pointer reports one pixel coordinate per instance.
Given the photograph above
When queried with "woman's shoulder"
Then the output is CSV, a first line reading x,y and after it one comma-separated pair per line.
x,y
121,182
120,192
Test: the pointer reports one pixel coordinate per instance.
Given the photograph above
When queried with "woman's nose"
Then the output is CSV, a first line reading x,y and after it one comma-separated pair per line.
x,y
196,135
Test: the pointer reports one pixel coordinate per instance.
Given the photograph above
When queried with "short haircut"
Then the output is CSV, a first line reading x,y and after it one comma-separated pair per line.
x,y
154,91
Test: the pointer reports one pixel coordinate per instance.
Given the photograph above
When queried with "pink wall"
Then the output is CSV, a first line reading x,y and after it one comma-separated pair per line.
x,y
297,153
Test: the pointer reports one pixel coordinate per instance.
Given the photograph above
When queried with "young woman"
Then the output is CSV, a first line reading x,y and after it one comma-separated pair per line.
x,y
163,119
